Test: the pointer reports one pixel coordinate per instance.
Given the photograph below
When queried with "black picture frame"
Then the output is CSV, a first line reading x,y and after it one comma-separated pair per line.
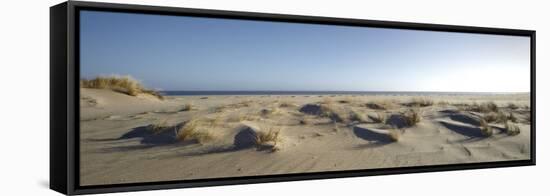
x,y
64,93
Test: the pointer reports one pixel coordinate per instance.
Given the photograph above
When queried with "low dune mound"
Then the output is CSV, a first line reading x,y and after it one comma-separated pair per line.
x,y
99,103
122,84
264,138
246,137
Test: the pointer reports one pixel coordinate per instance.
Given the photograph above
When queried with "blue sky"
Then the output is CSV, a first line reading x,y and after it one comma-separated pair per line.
x,y
189,53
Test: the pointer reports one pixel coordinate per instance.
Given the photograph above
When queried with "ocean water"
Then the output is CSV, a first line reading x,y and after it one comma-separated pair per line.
x,y
396,93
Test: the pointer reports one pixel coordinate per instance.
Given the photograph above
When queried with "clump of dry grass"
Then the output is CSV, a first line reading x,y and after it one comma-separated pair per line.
x,y
355,115
195,130
158,127
395,134
121,84
412,117
495,117
304,121
327,101
240,117
443,103
511,129
420,102
379,105
485,107
272,111
285,104
512,118
485,129
329,111
268,134
187,107
513,106
379,118
346,100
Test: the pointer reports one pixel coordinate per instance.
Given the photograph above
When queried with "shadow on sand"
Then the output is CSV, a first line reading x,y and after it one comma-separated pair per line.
x,y
148,139
374,137
465,119
472,134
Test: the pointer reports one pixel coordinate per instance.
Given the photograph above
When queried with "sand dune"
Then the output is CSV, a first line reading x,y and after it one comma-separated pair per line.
x,y
127,139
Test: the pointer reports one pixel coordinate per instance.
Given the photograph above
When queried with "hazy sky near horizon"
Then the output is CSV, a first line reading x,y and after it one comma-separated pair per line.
x,y
189,53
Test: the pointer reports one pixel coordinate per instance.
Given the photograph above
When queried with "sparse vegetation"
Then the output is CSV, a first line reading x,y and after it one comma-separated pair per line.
x,y
420,102
485,129
346,100
268,135
265,112
495,117
194,130
285,104
379,118
412,117
512,118
483,107
511,129
355,115
122,84
394,134
442,103
304,121
379,105
329,111
513,106
327,101
186,107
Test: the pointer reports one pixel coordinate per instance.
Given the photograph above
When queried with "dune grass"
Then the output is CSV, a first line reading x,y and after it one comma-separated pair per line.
x,y
273,111
187,107
499,117
330,111
511,129
495,117
379,117
512,118
286,104
485,107
485,129
195,130
395,134
420,102
443,103
379,105
513,106
412,117
268,134
355,115
122,84
158,127
327,101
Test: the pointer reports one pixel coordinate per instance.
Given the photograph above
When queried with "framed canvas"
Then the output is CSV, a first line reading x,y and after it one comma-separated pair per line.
x,y
146,97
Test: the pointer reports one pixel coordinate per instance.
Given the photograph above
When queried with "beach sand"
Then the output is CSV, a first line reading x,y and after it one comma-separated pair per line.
x,y
317,133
